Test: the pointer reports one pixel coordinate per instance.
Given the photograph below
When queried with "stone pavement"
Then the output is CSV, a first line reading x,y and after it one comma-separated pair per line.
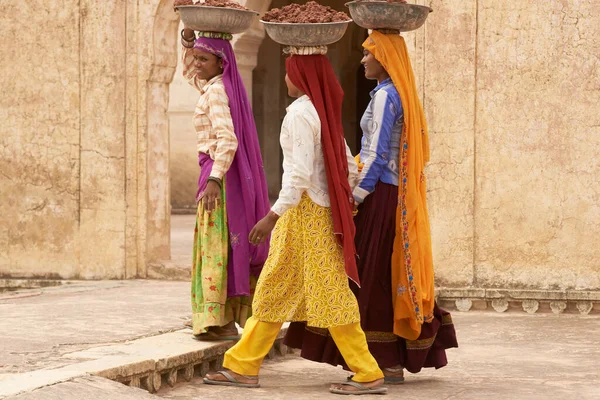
x,y
40,330
501,356
88,388
117,330
49,335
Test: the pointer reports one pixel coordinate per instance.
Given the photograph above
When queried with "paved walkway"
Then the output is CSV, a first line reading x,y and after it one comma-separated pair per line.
x,y
508,356
41,330
501,356
182,239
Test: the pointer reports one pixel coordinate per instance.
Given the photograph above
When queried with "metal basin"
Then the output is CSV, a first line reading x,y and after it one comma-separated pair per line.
x,y
216,19
383,15
306,34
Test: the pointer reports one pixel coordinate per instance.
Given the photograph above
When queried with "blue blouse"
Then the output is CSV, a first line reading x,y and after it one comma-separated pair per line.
x,y
382,125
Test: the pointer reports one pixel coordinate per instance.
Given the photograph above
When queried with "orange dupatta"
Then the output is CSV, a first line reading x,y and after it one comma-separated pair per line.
x,y
412,263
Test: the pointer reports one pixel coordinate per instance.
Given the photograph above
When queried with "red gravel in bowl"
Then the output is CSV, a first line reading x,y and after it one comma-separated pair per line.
x,y
311,12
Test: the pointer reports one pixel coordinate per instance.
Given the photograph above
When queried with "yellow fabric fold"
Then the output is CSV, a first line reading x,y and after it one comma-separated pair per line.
x,y
412,264
247,355
360,165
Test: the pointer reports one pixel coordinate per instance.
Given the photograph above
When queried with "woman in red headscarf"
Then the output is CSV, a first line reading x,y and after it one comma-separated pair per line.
x,y
312,252
404,326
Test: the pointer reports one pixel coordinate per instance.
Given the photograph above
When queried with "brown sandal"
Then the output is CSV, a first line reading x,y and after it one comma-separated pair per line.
x,y
215,333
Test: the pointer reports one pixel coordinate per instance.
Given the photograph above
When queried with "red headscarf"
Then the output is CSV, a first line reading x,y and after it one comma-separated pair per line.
x,y
314,75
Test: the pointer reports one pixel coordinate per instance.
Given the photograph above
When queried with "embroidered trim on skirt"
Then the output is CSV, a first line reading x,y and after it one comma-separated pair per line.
x,y
210,304
375,230
304,278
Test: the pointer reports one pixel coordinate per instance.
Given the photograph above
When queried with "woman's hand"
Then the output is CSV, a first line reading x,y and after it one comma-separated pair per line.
x,y
188,34
263,228
212,196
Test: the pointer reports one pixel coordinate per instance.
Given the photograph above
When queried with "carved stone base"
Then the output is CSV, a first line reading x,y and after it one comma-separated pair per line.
x,y
530,301
182,367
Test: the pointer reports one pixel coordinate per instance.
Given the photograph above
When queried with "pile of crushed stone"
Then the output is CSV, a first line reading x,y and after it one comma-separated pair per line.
x,y
311,12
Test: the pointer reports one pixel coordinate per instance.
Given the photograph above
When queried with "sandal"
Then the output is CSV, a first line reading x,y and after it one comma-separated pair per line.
x,y
389,380
362,389
394,376
215,333
232,381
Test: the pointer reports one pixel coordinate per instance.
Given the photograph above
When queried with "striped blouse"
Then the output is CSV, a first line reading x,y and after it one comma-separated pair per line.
x,y
212,118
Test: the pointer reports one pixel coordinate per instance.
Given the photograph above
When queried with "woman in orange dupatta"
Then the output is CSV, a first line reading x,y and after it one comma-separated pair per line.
x,y
405,329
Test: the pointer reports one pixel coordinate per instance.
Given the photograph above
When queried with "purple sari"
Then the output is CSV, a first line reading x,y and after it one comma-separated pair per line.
x,y
247,200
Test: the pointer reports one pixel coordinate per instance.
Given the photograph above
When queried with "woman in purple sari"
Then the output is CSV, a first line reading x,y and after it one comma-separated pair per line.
x,y
232,192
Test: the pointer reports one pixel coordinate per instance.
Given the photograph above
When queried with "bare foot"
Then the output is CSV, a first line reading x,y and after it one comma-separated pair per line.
x,y
218,376
370,385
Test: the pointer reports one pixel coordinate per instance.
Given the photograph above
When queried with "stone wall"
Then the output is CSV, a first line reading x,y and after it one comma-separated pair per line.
x,y
74,160
538,145
84,148
61,141
511,91
512,94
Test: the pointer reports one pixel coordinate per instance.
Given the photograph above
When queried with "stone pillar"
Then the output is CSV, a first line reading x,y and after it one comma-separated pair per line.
x,y
161,74
102,146
39,139
184,168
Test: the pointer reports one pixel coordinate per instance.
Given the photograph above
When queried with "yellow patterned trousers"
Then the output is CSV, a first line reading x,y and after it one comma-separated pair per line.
x,y
304,278
246,356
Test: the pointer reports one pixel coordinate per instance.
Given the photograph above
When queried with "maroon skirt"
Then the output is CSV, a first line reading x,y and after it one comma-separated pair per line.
x,y
375,232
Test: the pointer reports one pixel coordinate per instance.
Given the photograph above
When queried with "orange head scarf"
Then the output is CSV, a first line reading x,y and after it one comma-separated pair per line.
x,y
412,264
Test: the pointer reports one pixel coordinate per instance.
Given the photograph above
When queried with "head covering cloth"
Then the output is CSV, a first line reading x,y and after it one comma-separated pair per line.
x,y
247,199
314,75
412,263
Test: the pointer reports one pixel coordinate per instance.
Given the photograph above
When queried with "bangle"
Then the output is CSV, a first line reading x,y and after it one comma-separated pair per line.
x,y
273,214
188,40
186,44
216,180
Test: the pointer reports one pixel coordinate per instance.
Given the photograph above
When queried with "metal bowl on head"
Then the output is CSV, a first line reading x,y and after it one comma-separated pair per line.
x,y
318,34
402,17
216,19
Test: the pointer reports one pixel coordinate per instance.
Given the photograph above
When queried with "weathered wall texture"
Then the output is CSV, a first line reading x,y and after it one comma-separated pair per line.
x,y
537,202
72,140
512,95
444,61
84,144
45,185
511,91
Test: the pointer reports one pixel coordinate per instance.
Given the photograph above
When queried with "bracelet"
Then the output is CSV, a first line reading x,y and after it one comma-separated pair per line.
x,y
186,44
273,214
216,180
188,40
